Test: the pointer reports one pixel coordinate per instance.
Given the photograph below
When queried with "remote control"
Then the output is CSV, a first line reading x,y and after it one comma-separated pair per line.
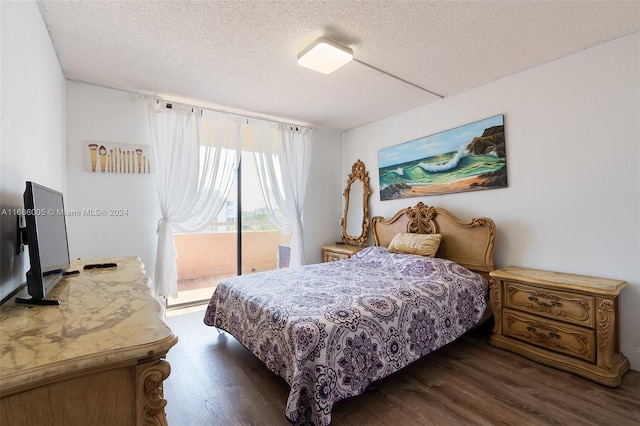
x,y
100,265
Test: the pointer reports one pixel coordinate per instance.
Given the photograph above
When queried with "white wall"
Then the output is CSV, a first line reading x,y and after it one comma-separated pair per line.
x,y
96,113
99,114
322,207
572,131
32,146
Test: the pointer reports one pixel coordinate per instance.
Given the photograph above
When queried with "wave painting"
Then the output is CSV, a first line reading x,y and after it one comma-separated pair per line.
x,y
467,158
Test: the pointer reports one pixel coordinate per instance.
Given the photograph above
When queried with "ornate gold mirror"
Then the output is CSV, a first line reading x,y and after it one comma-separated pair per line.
x,y
355,220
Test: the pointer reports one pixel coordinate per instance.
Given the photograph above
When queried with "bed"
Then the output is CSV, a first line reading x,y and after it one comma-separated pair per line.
x,y
332,329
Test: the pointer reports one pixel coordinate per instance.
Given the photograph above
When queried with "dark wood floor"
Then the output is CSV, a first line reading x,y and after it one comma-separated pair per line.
x,y
216,381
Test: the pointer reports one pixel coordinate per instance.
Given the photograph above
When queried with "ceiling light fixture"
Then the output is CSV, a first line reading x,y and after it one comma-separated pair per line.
x,y
325,55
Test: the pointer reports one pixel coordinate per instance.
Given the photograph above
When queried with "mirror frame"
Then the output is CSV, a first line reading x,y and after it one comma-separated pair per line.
x,y
358,173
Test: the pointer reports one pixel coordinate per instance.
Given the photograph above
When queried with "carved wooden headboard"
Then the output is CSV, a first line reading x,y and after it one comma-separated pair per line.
x,y
469,244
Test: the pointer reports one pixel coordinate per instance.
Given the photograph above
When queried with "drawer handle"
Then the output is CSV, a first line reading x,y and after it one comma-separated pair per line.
x,y
554,300
551,335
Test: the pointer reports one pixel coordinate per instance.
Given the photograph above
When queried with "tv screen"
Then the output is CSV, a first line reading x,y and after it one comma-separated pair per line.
x,y
46,232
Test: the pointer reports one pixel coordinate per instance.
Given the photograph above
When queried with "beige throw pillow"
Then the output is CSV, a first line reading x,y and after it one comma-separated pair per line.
x,y
422,244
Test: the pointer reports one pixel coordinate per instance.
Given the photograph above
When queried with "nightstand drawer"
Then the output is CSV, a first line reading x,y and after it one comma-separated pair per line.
x,y
568,307
333,252
563,320
564,338
329,256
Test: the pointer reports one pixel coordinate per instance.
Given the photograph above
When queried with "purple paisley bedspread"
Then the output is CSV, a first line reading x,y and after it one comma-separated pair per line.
x,y
331,329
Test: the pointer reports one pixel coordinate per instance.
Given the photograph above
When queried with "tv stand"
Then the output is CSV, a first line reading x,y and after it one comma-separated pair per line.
x,y
96,360
34,301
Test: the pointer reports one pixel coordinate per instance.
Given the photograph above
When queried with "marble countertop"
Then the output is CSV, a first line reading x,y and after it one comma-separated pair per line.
x,y
105,316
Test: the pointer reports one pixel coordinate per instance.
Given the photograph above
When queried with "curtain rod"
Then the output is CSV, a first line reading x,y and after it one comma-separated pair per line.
x,y
160,98
170,104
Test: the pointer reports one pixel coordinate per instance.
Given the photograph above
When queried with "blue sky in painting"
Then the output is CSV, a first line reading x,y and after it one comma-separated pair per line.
x,y
440,143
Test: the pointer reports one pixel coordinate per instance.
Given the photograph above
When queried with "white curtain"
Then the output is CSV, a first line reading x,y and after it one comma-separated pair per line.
x,y
282,155
196,155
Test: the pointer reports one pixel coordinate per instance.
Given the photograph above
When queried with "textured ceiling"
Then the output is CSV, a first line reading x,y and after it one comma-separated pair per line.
x,y
241,55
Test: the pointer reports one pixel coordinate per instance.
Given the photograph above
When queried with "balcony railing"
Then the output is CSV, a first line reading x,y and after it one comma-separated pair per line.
x,y
206,258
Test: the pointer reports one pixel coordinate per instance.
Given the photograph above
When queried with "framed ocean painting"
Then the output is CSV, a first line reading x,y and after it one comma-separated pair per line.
x,y
468,158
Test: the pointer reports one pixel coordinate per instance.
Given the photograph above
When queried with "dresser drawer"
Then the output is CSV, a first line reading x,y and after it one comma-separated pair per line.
x,y
548,334
567,307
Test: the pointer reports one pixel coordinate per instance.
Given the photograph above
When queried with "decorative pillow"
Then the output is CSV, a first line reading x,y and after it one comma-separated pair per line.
x,y
422,244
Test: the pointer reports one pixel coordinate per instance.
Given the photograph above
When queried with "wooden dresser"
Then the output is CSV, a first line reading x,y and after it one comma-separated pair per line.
x,y
332,252
567,321
96,359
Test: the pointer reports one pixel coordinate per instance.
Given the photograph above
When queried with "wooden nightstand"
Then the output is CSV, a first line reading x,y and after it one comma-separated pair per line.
x,y
567,321
333,252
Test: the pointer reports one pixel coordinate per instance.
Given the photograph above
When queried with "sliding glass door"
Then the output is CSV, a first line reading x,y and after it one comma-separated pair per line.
x,y
241,240
263,247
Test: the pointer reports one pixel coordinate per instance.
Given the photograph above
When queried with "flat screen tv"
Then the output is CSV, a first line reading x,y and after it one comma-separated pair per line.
x,y
46,237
